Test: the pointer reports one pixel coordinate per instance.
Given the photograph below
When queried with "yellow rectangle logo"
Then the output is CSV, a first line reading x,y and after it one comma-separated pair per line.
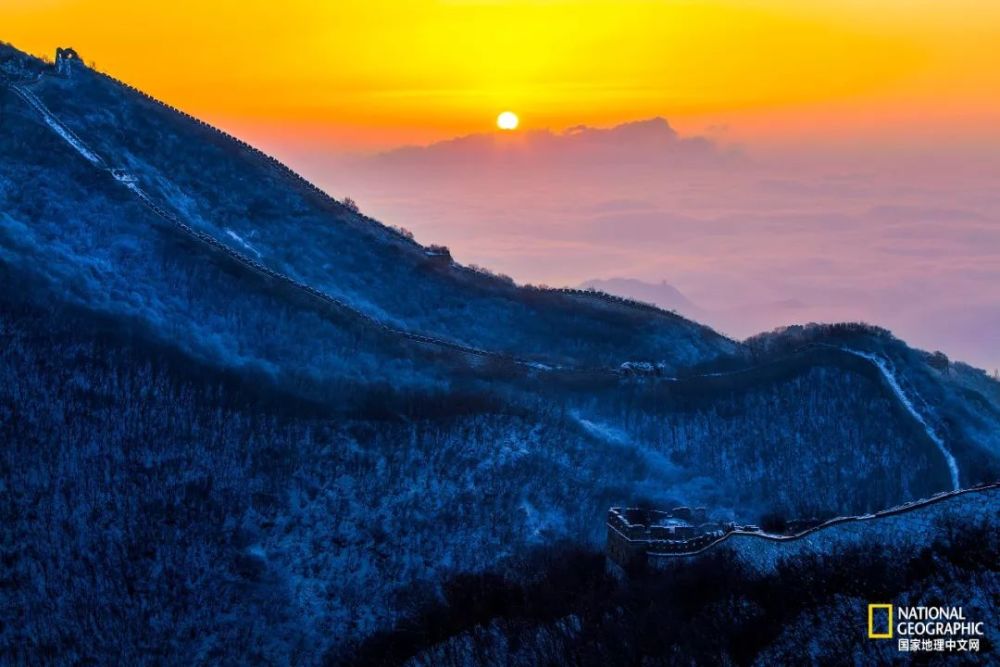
x,y
871,622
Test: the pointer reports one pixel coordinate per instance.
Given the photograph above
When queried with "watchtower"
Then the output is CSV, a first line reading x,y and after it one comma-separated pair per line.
x,y
66,60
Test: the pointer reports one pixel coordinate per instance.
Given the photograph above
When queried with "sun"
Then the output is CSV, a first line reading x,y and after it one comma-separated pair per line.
x,y
507,121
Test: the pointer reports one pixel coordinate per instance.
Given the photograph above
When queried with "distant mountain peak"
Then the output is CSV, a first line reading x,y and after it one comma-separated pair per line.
x,y
662,294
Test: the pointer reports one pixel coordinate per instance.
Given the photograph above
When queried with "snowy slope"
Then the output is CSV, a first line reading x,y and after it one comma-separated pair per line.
x,y
269,403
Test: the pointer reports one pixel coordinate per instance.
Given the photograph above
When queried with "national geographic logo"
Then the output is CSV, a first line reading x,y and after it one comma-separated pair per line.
x,y
879,618
925,628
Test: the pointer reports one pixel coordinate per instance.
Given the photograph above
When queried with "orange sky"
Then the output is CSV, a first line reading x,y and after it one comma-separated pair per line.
x,y
372,73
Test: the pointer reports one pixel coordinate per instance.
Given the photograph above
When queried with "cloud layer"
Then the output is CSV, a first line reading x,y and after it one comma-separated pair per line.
x,y
911,244
651,144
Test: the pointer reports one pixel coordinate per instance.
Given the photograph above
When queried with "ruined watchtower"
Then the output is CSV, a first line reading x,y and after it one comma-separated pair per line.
x,y
66,60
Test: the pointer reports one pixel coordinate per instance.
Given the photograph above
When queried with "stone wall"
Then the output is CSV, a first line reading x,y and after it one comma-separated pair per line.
x,y
914,526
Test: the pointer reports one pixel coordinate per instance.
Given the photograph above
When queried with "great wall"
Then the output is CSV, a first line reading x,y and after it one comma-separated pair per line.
x,y
129,182
632,543
635,543
68,59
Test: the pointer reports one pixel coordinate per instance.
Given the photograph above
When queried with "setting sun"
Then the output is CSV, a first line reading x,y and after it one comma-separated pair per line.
x,y
507,120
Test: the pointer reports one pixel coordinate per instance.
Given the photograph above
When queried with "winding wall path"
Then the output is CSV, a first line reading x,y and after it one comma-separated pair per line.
x,y
897,388
67,134
210,241
985,496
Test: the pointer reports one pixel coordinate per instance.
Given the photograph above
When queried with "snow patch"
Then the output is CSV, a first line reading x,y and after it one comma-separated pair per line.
x,y
123,176
239,239
603,431
540,523
538,365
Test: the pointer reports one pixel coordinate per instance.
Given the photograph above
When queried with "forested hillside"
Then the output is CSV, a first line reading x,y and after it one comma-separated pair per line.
x,y
271,451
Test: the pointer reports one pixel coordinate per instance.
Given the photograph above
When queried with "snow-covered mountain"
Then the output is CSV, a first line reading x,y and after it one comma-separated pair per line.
x,y
242,419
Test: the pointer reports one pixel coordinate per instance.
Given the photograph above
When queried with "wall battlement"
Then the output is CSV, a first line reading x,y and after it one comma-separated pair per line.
x,y
633,532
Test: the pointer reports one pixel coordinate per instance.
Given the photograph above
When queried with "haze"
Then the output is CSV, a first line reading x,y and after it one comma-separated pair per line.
x,y
817,161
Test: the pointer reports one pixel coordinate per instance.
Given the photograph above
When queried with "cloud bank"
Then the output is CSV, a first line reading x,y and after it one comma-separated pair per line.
x,y
651,144
753,242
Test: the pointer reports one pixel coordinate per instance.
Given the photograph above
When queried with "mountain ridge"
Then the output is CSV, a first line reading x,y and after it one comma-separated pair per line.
x,y
345,214
535,361
228,437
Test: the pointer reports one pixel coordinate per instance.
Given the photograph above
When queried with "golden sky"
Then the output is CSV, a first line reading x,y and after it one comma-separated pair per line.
x,y
374,73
